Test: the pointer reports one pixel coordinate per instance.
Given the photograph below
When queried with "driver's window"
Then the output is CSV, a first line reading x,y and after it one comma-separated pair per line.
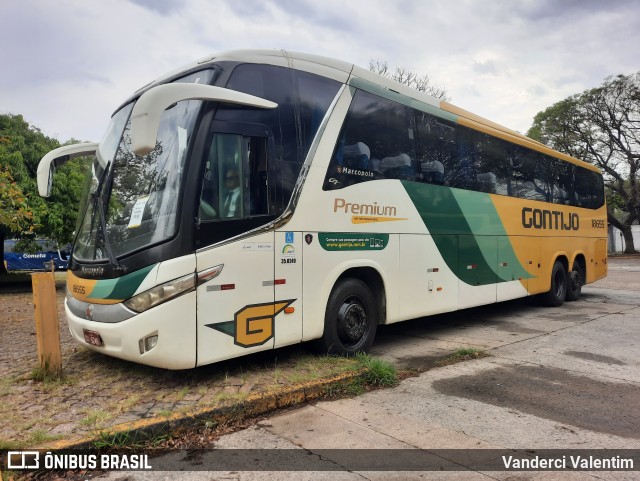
x,y
235,183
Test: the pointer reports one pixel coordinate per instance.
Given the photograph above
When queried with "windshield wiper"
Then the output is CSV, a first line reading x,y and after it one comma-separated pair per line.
x,y
104,187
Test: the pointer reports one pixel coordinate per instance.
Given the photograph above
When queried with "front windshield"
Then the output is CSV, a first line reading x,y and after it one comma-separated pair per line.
x,y
139,194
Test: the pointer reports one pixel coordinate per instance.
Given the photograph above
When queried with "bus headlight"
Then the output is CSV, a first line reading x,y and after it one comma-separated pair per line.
x,y
162,293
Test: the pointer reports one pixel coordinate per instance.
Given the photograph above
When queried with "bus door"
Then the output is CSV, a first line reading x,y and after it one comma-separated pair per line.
x,y
235,312
236,308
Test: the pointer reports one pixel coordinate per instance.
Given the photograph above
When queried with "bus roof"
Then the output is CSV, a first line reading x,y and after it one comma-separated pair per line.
x,y
348,73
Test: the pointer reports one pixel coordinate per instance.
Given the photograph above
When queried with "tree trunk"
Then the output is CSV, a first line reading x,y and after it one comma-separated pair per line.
x,y
629,247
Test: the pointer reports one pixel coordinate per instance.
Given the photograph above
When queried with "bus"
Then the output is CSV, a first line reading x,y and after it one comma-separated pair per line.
x,y
257,199
48,257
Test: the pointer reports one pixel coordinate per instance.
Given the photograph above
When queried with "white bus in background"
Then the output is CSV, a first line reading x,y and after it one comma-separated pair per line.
x,y
257,199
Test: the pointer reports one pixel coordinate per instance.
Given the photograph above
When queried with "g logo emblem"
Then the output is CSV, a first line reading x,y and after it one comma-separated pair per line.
x,y
252,325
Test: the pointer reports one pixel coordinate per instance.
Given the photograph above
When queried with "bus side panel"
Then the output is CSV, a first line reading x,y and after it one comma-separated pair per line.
x,y
324,264
428,285
599,259
551,248
478,258
516,281
559,230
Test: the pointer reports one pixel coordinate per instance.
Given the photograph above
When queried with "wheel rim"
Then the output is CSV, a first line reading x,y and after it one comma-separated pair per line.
x,y
352,322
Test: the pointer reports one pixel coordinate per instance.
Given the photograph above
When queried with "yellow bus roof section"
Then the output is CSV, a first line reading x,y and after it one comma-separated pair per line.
x,y
481,124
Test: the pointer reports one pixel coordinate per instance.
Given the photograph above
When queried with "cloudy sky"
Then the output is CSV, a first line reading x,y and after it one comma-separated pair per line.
x,y
67,64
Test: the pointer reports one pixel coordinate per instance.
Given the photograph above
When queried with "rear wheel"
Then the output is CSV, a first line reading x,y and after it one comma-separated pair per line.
x,y
350,320
575,282
558,292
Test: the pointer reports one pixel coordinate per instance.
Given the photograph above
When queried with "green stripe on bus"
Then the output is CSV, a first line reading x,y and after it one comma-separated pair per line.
x,y
465,227
121,288
484,220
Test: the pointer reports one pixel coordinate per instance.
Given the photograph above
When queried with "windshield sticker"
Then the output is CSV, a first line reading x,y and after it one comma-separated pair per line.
x,y
182,141
353,242
137,212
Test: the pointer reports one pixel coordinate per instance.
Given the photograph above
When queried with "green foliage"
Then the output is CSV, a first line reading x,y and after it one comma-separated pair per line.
x,y
15,214
22,210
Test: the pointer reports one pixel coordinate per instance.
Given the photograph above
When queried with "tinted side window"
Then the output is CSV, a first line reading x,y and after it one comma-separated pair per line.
x,y
437,151
303,100
529,175
234,184
377,141
563,185
589,189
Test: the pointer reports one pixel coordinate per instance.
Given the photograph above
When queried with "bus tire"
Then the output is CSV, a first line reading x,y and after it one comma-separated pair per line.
x,y
558,292
575,282
350,320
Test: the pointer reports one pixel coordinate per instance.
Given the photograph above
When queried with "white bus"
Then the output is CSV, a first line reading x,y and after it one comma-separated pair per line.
x,y
257,199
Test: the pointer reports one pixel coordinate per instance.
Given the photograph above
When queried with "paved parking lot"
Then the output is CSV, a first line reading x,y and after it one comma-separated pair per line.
x,y
557,378
561,378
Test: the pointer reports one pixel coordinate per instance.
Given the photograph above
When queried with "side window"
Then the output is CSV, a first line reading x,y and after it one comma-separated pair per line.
x,y
303,100
437,153
377,141
589,189
235,178
447,153
563,186
529,175
493,170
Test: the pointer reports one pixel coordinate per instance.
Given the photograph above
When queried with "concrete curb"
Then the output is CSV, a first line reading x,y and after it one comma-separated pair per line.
x,y
251,407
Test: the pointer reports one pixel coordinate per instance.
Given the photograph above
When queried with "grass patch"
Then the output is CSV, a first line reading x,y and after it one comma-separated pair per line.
x,y
40,436
46,376
8,445
35,438
128,440
229,397
378,372
461,354
96,418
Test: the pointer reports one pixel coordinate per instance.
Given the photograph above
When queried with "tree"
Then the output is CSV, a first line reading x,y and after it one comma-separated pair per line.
x,y
15,215
402,75
602,127
23,213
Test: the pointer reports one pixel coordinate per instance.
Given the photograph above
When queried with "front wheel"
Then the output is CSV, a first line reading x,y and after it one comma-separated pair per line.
x,y
558,292
350,320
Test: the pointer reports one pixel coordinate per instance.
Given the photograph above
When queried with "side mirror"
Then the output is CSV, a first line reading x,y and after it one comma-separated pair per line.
x,y
56,158
146,114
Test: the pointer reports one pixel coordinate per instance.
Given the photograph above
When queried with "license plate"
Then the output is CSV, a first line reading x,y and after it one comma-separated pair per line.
x,y
92,338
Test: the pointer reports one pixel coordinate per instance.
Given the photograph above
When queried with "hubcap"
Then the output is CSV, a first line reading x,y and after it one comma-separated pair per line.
x,y
352,321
